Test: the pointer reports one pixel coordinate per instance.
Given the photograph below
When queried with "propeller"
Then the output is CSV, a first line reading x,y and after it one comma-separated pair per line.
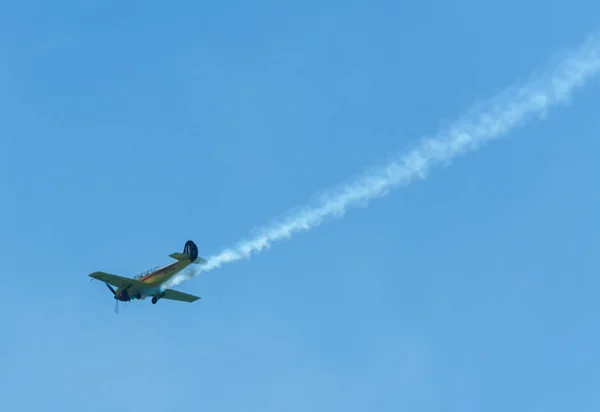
x,y
114,292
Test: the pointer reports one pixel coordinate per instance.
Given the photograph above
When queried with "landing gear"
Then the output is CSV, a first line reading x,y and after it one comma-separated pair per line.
x,y
157,298
138,296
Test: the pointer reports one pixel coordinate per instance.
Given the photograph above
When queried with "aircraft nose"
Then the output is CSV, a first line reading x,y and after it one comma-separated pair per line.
x,y
123,296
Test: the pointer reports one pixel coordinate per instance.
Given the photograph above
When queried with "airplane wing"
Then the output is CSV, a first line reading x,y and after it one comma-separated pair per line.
x,y
137,286
180,296
120,281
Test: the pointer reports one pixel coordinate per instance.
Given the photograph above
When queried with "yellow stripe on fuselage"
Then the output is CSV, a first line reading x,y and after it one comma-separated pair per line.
x,y
165,273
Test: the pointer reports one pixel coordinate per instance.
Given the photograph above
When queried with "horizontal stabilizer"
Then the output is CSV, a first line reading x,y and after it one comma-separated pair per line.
x,y
184,256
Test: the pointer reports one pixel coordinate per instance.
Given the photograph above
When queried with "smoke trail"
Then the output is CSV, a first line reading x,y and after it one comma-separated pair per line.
x,y
504,114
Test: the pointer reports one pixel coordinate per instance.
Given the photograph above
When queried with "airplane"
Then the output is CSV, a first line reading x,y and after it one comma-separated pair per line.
x,y
149,283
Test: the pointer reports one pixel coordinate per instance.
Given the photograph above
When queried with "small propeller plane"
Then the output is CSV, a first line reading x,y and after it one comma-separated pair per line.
x,y
149,283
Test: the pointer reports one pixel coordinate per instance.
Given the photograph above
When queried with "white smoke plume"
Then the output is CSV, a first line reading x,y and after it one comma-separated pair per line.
x,y
503,113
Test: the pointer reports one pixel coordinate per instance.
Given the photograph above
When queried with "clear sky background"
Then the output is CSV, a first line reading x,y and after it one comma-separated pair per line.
x,y
127,128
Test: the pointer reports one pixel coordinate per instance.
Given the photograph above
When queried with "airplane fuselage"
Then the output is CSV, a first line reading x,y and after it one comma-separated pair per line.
x,y
156,278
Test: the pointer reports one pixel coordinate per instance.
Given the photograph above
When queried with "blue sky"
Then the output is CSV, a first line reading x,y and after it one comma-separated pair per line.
x,y
128,128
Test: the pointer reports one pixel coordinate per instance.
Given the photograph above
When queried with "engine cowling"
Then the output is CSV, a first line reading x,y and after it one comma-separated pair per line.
x,y
123,295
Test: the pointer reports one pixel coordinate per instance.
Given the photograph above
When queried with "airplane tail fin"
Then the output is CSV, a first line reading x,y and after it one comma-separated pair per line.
x,y
190,252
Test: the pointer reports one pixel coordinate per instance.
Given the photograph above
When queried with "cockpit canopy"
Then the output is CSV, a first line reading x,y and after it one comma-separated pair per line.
x,y
146,272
